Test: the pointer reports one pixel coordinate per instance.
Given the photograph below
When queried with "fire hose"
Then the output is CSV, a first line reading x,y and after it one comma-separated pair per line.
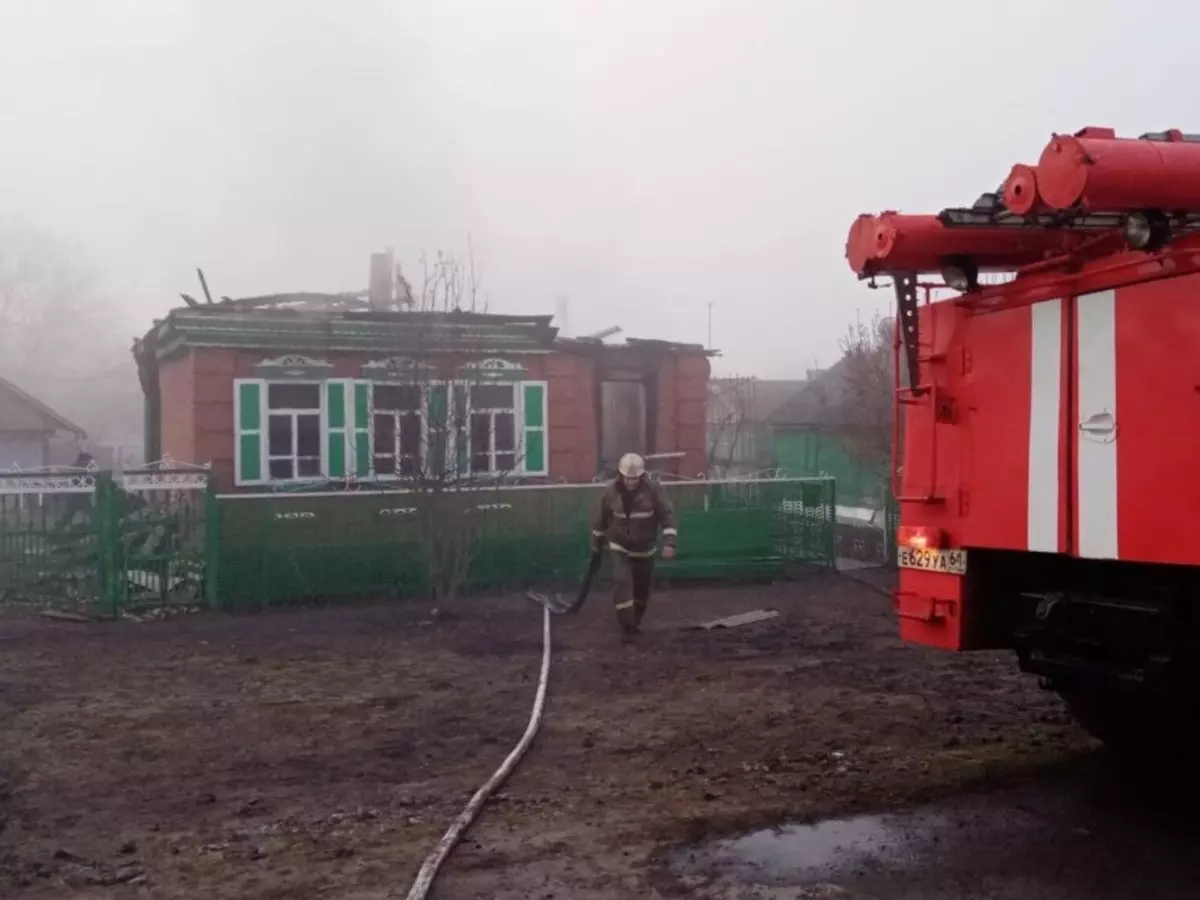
x,y
433,862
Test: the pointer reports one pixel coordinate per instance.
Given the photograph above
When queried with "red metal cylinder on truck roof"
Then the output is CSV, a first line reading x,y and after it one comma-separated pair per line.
x,y
1111,174
1021,190
893,242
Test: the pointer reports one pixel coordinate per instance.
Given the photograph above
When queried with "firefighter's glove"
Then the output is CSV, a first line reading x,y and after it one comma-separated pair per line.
x,y
668,551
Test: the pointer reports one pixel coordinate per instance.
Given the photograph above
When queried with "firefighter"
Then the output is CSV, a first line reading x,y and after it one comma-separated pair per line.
x,y
632,510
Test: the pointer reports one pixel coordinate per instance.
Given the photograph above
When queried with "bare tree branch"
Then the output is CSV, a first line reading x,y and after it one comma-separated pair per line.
x,y
730,415
431,440
58,339
863,414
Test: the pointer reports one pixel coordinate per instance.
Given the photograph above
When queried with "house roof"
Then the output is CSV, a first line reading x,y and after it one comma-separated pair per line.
x,y
306,327
20,411
762,396
315,322
818,403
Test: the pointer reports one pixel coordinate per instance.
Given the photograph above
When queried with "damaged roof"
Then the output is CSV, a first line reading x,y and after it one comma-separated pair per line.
x,y
317,322
309,325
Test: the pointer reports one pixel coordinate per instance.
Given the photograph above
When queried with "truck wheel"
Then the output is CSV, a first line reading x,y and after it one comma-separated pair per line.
x,y
1131,726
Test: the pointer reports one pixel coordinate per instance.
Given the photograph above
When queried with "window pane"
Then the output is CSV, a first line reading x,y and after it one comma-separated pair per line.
x,y
293,396
506,462
506,432
409,467
458,411
308,436
481,462
492,396
410,434
437,458
385,465
279,440
308,466
385,434
481,431
280,469
397,396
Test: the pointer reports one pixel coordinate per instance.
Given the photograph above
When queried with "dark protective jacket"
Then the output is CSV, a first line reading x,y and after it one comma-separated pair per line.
x,y
629,520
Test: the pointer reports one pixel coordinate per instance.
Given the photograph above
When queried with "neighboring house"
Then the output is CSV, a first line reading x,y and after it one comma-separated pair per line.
x,y
32,435
296,390
739,431
809,438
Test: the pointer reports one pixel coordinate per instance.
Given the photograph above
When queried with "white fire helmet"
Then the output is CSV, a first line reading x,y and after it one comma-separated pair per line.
x,y
631,466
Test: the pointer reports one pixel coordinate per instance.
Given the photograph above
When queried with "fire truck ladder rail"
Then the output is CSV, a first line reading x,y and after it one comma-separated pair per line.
x,y
915,392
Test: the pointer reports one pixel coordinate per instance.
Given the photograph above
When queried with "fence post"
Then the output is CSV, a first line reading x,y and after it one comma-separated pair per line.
x,y
212,545
833,523
107,527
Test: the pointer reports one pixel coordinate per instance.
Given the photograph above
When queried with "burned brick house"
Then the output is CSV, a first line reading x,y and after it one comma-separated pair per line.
x,y
296,390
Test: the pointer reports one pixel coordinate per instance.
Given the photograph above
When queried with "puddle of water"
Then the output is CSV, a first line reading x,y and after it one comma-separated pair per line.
x,y
815,851
1066,839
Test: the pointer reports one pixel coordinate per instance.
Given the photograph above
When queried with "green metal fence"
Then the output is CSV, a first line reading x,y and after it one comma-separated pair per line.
x,y
89,541
283,547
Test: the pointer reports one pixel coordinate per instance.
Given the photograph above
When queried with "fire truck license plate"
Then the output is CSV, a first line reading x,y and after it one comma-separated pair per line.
x,y
952,562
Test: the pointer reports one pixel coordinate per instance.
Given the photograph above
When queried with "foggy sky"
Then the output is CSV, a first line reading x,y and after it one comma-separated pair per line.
x,y
643,158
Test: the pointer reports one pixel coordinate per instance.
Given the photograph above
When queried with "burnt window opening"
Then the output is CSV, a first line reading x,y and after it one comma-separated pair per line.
x,y
492,428
293,431
398,423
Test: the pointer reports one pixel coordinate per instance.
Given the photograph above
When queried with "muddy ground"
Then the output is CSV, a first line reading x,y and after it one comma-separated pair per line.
x,y
320,753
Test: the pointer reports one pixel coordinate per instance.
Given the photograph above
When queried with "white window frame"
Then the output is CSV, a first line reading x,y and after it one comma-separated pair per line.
x,y
454,439
266,411
518,394
424,411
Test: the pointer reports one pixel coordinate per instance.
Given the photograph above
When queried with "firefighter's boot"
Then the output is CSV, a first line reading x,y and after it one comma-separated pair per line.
x,y
623,596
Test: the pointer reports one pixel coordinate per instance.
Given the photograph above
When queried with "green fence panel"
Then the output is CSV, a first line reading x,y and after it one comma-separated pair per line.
x,y
93,542
289,547
50,553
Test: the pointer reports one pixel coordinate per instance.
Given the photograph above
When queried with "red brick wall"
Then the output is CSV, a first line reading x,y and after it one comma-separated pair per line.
x,y
691,413
215,370
682,399
198,409
574,445
176,384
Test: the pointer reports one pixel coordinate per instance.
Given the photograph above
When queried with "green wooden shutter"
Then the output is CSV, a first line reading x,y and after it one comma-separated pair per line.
x,y
533,410
362,429
248,441
335,427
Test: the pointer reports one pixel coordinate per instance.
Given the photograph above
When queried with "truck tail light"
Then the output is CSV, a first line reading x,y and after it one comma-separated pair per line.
x,y
919,537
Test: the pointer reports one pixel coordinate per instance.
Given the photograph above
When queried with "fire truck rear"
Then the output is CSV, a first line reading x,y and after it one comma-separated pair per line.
x,y
1047,435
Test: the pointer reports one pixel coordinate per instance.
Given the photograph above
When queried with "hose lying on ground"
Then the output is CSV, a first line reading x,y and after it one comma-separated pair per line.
x,y
433,862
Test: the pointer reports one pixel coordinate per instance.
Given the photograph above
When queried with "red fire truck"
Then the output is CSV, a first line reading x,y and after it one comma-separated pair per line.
x,y
1047,428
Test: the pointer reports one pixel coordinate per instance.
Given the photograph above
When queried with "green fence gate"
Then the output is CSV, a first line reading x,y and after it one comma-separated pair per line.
x,y
274,548
89,541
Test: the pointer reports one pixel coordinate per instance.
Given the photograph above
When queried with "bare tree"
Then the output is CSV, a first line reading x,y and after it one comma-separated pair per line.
x,y
58,338
444,424
864,414
730,413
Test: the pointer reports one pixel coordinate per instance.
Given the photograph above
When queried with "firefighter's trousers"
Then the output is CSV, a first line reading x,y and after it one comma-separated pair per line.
x,y
631,588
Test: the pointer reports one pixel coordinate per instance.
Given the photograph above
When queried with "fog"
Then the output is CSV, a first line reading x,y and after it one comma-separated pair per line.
x,y
644,159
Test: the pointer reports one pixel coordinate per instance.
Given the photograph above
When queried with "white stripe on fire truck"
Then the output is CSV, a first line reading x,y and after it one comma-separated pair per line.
x,y
1045,426
1096,466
